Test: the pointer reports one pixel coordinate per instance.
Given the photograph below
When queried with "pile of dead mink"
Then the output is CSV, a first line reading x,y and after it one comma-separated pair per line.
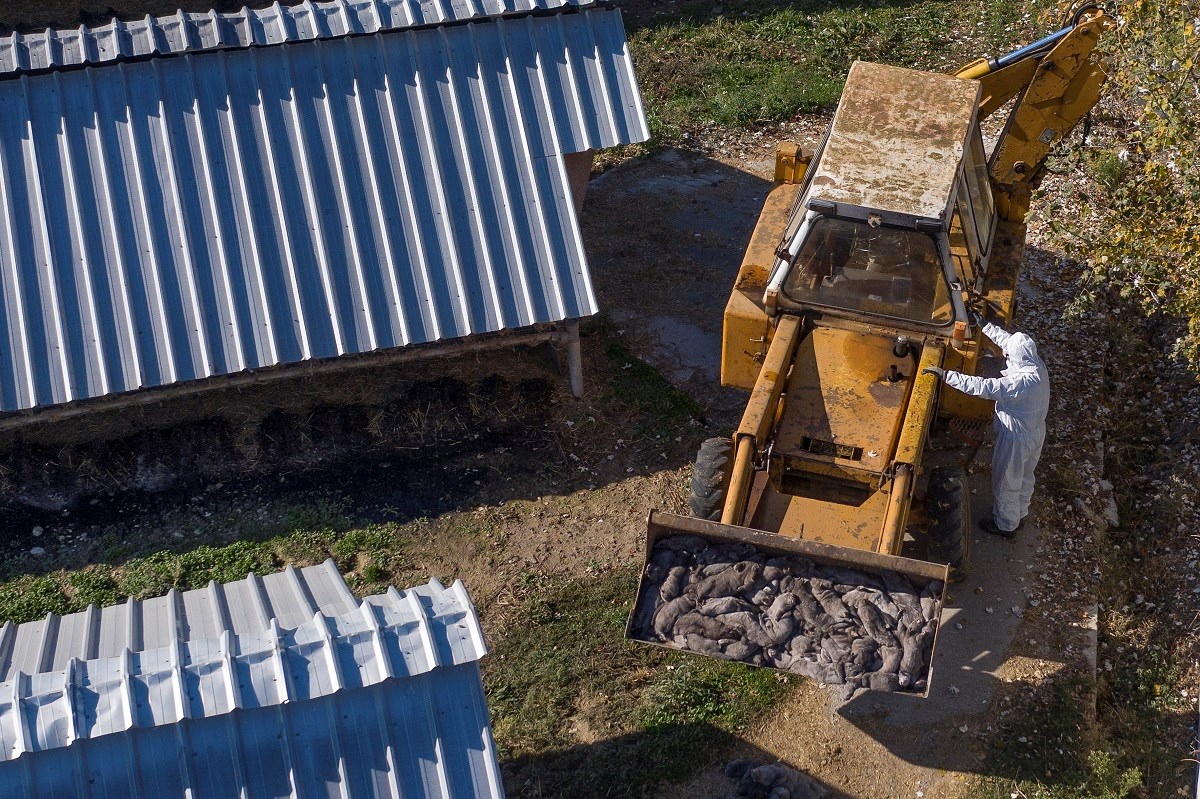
x,y
772,781
838,626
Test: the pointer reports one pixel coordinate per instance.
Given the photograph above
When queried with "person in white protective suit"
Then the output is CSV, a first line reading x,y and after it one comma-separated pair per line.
x,y
1022,395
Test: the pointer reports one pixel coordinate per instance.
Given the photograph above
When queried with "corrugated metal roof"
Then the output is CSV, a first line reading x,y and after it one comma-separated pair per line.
x,y
382,700
190,32
175,218
245,607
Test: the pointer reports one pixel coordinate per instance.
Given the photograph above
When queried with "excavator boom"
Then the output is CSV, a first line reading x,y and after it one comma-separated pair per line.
x,y
1055,82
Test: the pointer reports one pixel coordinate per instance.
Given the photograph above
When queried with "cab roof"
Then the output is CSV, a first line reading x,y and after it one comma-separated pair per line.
x,y
896,142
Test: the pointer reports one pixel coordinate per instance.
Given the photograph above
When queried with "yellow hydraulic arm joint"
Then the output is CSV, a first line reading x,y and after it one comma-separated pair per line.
x,y
759,417
1056,82
1002,85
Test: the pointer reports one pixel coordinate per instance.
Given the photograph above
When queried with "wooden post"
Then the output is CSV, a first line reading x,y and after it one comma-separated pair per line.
x,y
574,358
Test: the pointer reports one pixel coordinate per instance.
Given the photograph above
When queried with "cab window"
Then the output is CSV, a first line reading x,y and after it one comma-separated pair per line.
x,y
877,270
964,241
980,189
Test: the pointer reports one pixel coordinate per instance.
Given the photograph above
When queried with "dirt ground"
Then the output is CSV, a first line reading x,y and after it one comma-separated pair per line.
x,y
564,490
563,487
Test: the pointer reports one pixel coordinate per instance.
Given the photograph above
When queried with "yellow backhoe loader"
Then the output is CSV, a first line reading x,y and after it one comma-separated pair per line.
x,y
866,262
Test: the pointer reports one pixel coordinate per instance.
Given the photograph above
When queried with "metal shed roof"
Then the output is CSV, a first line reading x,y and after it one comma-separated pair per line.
x,y
244,607
191,32
381,700
178,217
896,140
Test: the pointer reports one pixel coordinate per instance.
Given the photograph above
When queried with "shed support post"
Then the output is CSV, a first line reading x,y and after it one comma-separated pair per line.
x,y
574,358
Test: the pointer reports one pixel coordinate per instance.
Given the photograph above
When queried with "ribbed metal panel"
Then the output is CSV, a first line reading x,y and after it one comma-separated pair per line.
x,y
191,32
245,607
384,699
176,218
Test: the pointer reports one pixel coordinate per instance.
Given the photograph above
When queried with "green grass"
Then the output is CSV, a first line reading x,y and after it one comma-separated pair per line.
x,y
1144,658
1051,752
300,533
643,388
704,691
759,61
29,598
564,664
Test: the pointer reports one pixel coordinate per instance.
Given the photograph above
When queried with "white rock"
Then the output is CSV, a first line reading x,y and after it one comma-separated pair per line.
x,y
37,552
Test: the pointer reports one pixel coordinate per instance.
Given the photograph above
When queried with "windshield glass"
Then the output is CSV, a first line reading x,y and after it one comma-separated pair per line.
x,y
877,270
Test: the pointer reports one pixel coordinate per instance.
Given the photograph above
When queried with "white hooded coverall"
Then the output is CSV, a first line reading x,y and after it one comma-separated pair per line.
x,y
1022,395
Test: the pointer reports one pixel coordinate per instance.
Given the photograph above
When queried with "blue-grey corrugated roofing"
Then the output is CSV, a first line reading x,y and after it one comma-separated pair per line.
x,y
190,32
179,217
244,607
381,699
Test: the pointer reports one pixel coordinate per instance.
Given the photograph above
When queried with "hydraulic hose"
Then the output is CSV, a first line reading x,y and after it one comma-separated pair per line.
x,y
1034,49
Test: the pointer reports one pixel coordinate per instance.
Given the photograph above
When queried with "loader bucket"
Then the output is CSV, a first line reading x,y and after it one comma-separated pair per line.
x,y
814,630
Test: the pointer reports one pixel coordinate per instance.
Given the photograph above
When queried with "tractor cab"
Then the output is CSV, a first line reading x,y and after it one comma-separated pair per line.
x,y
894,218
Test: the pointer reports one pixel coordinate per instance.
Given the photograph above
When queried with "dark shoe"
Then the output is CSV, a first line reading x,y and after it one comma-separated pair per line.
x,y
989,526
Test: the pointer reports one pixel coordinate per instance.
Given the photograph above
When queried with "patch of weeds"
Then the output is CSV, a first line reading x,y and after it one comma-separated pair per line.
x,y
1145,658
114,546
1064,481
346,549
693,701
319,514
150,576
706,691
1048,743
642,387
373,573
1142,708
303,548
567,639
1148,681
1103,779
93,586
1050,752
159,572
223,564
29,598
297,530
376,552
1106,168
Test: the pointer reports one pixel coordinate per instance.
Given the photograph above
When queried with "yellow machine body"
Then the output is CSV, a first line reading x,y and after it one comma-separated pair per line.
x,y
830,449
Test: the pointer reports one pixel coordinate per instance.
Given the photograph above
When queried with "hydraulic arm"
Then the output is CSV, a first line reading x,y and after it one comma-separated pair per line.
x,y
1055,81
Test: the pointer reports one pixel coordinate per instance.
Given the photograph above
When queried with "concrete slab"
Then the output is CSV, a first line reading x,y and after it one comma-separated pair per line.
x,y
978,624
665,237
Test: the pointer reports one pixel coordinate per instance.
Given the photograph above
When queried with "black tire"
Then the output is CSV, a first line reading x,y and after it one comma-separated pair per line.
x,y
948,506
710,479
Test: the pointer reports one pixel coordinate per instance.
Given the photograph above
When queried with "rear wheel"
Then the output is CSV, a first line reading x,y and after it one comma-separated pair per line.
x,y
948,506
710,479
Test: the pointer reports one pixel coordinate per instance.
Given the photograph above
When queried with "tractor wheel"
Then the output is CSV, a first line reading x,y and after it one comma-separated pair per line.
x,y
948,506
710,479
